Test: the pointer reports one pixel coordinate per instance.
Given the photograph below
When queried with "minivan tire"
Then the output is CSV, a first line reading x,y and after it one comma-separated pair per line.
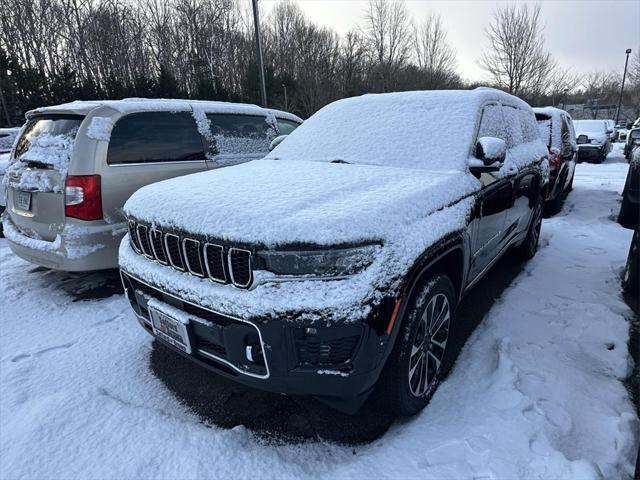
x,y
425,337
630,273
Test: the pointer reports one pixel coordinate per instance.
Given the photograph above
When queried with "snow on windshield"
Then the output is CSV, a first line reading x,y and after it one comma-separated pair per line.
x,y
589,126
425,130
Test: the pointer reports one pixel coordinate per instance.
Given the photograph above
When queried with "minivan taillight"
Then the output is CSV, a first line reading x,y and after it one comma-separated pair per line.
x,y
83,197
554,158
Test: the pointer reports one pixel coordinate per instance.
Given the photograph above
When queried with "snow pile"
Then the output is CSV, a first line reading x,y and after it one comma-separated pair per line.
x,y
536,393
100,128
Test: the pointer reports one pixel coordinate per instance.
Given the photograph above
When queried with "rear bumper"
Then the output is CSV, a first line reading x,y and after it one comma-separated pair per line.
x,y
71,251
339,364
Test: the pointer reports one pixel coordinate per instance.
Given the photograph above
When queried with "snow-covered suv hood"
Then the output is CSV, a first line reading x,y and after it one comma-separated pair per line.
x,y
276,202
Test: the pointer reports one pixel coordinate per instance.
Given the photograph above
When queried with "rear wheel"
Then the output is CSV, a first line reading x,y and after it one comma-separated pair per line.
x,y
424,351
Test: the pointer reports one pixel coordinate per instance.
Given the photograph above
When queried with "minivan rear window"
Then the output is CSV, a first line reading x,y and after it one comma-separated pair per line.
x,y
48,141
155,137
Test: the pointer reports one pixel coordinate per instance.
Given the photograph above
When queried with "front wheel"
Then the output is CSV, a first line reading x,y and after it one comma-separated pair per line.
x,y
424,351
529,246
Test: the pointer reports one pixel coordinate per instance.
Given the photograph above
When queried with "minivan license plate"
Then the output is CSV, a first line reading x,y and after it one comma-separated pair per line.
x,y
23,200
170,330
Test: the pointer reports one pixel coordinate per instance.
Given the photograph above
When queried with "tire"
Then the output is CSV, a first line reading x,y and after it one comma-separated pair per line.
x,y
412,373
527,250
631,273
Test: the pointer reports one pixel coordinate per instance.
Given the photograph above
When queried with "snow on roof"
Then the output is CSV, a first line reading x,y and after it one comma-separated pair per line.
x,y
404,129
130,105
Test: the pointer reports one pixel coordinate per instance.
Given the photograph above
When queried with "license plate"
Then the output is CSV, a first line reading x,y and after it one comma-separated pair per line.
x,y
23,200
170,330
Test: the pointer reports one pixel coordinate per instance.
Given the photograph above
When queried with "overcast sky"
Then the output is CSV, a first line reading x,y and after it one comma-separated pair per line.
x,y
584,34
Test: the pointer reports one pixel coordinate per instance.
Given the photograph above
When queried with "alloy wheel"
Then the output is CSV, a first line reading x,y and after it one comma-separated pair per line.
x,y
429,344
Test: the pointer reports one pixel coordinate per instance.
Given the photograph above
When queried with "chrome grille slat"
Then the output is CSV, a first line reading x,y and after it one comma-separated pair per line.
x,y
214,262
174,252
191,252
143,240
186,254
157,245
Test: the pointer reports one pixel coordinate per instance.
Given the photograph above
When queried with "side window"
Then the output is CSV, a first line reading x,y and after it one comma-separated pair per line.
x,y
155,137
492,123
240,134
285,127
528,122
513,121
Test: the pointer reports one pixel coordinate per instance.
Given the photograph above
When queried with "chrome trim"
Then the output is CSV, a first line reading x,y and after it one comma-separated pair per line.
x,y
186,257
206,263
153,248
131,242
166,246
138,164
207,354
138,227
233,280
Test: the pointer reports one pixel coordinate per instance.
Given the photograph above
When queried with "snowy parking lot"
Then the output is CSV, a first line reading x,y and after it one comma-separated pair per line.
x,y
537,392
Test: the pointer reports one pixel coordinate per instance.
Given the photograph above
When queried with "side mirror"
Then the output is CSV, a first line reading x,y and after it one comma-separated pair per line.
x,y
582,139
491,150
490,154
609,132
276,141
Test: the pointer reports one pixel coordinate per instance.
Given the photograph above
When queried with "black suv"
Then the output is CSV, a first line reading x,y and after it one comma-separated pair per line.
x,y
336,264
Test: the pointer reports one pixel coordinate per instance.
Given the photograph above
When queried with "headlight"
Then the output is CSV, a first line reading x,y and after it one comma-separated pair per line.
x,y
322,263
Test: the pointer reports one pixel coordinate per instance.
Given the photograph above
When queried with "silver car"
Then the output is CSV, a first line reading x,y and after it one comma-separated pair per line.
x,y
75,165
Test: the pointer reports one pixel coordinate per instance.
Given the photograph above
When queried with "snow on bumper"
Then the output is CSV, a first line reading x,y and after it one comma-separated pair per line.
x,y
70,250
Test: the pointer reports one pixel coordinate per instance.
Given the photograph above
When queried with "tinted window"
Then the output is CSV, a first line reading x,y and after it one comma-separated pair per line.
x,y
285,127
240,134
155,137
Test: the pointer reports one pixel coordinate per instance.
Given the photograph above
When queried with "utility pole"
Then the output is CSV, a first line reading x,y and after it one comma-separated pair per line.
x,y
286,104
626,62
256,22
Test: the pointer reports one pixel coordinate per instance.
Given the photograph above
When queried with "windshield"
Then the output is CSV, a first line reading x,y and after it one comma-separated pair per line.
x,y
420,130
590,126
48,140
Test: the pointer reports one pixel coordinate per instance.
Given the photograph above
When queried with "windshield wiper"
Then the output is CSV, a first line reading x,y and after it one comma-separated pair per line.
x,y
340,161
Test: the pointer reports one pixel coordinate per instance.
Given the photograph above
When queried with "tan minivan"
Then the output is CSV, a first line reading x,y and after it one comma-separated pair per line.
x,y
75,165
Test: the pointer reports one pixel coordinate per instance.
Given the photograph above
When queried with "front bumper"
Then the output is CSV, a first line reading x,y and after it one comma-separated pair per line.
x,y
339,364
591,152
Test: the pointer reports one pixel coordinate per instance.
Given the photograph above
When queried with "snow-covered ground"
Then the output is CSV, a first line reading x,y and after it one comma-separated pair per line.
x,y
537,391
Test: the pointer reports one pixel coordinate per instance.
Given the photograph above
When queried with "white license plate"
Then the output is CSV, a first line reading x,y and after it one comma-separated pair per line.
x,y
170,330
23,200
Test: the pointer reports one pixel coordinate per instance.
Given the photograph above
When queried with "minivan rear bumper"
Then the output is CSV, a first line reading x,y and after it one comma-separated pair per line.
x,y
92,249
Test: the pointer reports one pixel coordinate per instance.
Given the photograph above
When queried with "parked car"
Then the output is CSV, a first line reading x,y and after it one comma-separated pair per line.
x,y
612,130
629,217
593,140
76,165
336,263
622,134
556,129
633,140
7,138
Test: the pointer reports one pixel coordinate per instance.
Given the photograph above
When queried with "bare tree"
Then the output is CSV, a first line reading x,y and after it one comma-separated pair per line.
x,y
434,55
517,59
387,32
